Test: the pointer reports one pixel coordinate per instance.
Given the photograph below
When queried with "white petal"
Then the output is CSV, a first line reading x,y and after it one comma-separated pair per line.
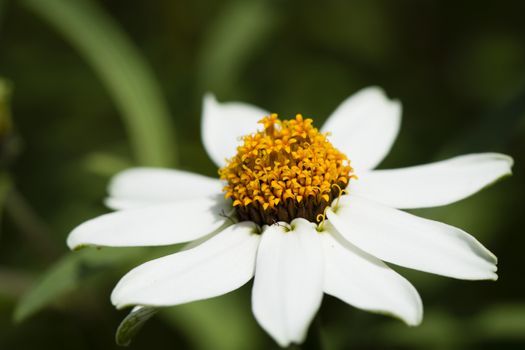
x,y
156,225
407,240
139,187
224,124
287,289
433,184
221,264
365,282
364,127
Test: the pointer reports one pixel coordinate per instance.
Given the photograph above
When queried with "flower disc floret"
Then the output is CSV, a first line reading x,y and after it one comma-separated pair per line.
x,y
289,170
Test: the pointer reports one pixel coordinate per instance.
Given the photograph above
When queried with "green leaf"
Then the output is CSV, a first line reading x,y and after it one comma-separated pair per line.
x,y
67,274
121,68
58,280
133,323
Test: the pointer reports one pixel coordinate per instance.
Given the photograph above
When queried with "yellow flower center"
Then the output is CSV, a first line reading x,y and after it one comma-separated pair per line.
x,y
289,170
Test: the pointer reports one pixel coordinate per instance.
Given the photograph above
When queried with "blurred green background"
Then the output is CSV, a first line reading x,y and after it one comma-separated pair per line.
x,y
91,87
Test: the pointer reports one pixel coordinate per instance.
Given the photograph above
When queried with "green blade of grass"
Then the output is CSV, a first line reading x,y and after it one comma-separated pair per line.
x,y
126,75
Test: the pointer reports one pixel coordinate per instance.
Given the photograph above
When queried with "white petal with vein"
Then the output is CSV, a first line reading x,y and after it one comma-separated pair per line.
x,y
139,187
407,240
433,184
155,225
224,123
288,283
364,127
223,263
365,282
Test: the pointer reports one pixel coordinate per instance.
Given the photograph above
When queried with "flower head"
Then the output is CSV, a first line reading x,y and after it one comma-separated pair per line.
x,y
288,170
297,219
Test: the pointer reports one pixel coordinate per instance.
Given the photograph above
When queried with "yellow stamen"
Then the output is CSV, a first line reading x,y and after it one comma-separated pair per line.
x,y
286,171
321,218
341,192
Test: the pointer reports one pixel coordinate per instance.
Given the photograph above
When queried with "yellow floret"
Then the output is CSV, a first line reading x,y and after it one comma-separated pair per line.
x,y
288,170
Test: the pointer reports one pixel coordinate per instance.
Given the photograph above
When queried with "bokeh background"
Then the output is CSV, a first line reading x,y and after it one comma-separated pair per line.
x,y
92,87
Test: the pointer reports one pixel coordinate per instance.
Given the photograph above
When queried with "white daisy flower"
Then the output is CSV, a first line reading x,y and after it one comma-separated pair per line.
x,y
300,210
